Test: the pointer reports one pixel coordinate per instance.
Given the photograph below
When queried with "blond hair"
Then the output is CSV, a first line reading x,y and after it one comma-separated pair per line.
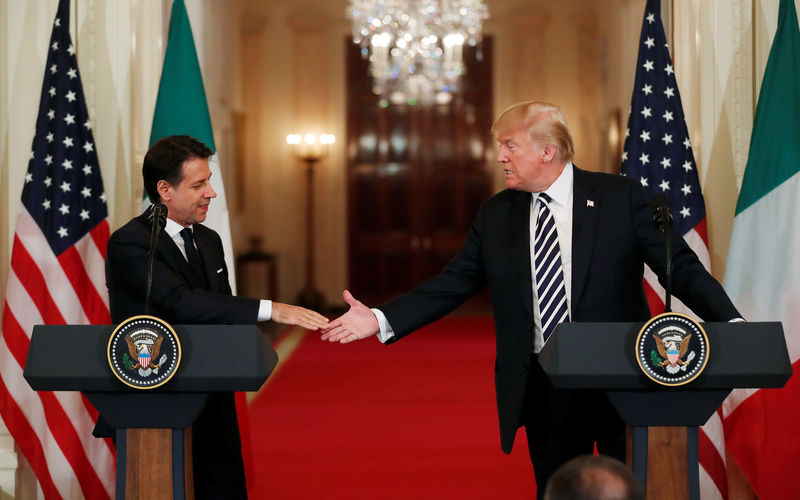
x,y
542,120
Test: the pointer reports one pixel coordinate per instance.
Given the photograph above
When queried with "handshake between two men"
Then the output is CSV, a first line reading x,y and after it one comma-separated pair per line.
x,y
358,323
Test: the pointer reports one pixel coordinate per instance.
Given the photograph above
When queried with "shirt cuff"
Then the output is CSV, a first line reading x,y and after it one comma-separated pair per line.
x,y
737,320
386,333
264,310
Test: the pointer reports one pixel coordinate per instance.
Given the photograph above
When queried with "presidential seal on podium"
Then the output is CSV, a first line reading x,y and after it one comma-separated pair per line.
x,y
144,352
672,349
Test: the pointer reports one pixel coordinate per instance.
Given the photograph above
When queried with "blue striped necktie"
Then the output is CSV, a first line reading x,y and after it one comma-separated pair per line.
x,y
550,289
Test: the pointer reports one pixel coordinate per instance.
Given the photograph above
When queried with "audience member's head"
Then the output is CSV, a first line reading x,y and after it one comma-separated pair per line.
x,y
590,477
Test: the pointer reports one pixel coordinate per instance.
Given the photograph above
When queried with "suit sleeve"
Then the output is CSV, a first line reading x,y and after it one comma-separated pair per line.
x,y
436,297
171,297
691,282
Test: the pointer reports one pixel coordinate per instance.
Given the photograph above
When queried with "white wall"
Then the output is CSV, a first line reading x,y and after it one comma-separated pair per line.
x,y
720,50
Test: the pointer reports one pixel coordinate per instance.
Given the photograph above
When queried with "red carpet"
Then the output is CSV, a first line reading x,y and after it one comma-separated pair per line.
x,y
416,419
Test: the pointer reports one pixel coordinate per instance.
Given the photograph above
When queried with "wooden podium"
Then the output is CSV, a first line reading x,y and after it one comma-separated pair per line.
x,y
153,437
602,356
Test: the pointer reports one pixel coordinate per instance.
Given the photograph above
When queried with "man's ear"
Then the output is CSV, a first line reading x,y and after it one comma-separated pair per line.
x,y
549,152
164,189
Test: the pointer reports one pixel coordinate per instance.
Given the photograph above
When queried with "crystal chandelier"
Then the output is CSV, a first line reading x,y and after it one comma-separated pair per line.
x,y
415,46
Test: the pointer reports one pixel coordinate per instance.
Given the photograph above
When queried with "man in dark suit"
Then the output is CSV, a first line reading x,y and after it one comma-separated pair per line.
x,y
190,286
560,244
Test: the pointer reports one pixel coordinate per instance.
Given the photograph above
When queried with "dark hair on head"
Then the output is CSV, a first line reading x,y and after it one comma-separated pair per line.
x,y
590,477
164,161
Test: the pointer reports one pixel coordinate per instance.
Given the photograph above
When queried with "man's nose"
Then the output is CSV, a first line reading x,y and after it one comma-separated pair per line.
x,y
211,193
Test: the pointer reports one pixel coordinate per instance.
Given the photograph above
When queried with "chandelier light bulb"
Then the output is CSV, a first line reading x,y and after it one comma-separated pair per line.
x,y
310,138
293,139
453,39
381,40
415,46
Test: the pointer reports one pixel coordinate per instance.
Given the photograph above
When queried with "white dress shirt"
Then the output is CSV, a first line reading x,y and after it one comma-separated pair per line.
x,y
560,192
174,229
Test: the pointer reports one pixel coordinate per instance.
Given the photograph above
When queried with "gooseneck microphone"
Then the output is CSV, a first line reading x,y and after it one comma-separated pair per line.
x,y
663,219
158,216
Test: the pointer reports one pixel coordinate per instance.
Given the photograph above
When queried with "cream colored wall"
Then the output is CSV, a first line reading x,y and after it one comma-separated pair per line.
x,y
293,60
562,52
216,27
718,104
721,50
623,27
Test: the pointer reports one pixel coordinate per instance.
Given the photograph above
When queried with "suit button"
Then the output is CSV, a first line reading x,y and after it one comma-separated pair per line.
x,y
530,326
526,365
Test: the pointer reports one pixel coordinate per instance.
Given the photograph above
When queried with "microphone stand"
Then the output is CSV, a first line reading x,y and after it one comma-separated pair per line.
x,y
663,218
159,216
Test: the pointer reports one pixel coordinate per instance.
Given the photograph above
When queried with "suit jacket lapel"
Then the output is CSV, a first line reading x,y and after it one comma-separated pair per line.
x,y
174,258
169,252
521,248
585,207
208,255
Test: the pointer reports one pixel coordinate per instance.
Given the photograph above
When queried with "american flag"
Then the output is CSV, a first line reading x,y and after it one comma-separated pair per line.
x,y
56,276
658,153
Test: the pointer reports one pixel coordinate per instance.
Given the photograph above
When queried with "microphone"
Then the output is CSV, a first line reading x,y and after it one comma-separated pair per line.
x,y
159,213
663,219
158,218
661,214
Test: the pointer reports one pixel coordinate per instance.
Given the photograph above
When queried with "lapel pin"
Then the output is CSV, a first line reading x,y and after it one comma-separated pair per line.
x,y
589,203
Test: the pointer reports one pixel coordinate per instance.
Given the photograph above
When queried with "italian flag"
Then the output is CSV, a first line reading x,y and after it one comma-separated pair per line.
x,y
763,271
182,109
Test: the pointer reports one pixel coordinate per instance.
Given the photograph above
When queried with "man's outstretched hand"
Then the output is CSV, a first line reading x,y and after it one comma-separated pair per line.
x,y
288,314
356,324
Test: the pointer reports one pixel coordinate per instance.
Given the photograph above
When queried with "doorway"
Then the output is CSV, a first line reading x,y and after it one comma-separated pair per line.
x,y
416,175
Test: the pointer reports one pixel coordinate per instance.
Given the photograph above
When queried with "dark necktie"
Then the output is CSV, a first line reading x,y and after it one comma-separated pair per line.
x,y
192,255
550,288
